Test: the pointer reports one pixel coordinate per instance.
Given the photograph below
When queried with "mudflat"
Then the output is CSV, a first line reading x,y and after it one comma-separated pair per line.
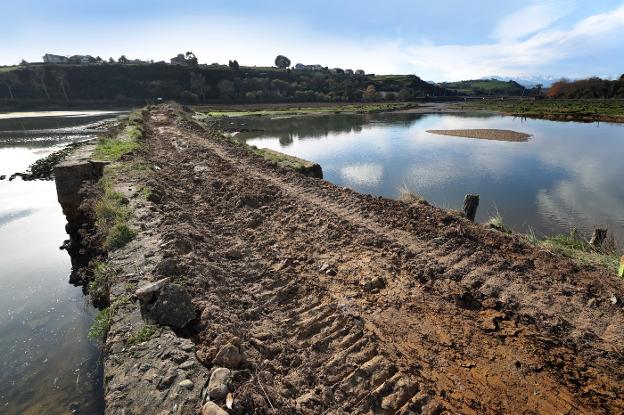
x,y
485,134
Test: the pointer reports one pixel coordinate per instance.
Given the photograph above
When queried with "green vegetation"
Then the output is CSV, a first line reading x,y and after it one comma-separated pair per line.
x,y
132,84
112,214
287,110
99,287
496,222
547,108
111,149
483,87
579,250
101,325
147,192
142,335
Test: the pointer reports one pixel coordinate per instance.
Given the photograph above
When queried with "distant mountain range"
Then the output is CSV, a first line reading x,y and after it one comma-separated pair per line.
x,y
529,82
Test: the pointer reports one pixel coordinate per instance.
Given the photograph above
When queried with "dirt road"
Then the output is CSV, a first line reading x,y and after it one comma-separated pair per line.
x,y
349,304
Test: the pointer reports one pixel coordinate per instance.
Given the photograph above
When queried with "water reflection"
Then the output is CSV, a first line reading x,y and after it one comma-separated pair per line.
x,y
568,174
48,365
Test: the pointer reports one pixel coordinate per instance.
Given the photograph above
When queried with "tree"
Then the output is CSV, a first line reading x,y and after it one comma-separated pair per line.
x,y
282,62
191,59
99,60
122,59
370,94
234,65
111,60
538,87
23,62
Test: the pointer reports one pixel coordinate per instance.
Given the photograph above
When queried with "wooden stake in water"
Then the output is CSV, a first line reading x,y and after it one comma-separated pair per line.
x,y
598,237
471,203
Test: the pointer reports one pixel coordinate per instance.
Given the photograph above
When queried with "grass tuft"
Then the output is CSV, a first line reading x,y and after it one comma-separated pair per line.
x,y
99,287
144,334
101,325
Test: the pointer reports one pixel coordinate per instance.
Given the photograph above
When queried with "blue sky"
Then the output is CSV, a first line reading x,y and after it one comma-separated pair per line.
x,y
437,40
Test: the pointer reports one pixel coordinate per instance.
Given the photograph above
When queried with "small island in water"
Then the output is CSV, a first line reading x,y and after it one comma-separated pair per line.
x,y
485,134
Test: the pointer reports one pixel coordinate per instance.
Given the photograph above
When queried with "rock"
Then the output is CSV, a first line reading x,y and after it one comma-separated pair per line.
x,y
167,267
211,408
218,386
189,364
229,356
187,384
375,284
173,307
149,292
167,380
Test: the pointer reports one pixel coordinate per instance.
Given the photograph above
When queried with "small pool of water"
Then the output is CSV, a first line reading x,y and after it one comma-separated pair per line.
x,y
47,363
566,175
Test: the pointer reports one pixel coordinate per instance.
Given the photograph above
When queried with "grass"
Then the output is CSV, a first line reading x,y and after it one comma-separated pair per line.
x,y
147,192
99,287
579,250
553,108
142,335
101,325
112,215
496,222
406,195
242,110
112,149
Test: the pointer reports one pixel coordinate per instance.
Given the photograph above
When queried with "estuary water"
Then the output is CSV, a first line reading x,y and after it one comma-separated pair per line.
x,y
567,175
47,363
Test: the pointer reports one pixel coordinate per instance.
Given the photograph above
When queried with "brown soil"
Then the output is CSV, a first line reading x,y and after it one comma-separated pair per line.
x,y
467,320
485,134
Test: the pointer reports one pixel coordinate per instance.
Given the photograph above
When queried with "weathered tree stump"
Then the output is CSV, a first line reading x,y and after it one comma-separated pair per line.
x,y
598,237
471,203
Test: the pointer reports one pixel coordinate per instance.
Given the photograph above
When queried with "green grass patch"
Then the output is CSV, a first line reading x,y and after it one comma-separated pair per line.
x,y
147,192
111,217
99,286
142,335
101,325
292,110
111,149
579,250
556,108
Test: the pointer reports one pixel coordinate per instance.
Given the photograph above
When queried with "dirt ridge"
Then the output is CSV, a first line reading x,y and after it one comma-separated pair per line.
x,y
346,303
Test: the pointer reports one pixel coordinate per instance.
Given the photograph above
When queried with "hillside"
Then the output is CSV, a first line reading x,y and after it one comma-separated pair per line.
x,y
124,84
485,87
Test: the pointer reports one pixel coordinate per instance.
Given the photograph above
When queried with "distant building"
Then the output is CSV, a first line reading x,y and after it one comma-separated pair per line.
x,y
50,58
311,68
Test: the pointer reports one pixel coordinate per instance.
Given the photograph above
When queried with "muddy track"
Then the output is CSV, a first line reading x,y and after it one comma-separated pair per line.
x,y
346,303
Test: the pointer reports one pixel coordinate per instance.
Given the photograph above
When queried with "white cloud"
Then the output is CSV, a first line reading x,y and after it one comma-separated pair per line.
x,y
591,36
530,19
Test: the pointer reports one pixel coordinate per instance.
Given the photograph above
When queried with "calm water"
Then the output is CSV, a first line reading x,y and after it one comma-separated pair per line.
x,y
47,364
567,175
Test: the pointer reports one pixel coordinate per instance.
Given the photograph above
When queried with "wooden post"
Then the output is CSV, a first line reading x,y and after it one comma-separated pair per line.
x,y
471,203
598,237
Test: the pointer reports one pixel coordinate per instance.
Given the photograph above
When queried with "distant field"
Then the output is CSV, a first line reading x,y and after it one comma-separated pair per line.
x,y
608,109
8,68
234,110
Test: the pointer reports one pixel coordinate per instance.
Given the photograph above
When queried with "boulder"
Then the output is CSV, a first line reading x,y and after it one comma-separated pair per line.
x,y
173,307
149,292
219,383
211,408
228,356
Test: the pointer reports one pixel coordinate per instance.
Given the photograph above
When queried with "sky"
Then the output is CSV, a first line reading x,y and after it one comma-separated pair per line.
x,y
442,40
